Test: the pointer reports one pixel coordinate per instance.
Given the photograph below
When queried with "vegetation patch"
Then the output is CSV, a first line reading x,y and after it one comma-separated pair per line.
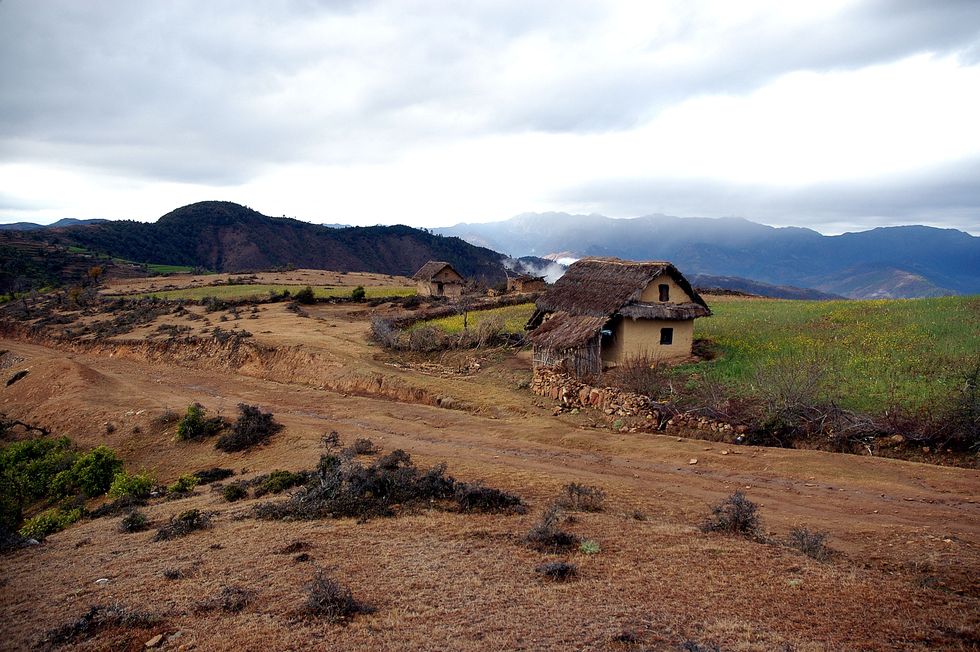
x,y
234,491
253,427
260,291
48,522
138,486
197,426
231,599
557,571
98,620
183,524
329,599
734,515
216,474
343,487
546,534
582,498
135,521
811,543
278,482
182,486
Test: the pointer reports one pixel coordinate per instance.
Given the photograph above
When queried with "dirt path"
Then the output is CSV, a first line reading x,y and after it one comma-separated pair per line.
x,y
909,533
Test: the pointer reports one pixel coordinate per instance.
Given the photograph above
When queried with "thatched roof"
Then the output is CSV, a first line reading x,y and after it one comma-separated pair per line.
x,y
601,286
565,331
664,311
430,269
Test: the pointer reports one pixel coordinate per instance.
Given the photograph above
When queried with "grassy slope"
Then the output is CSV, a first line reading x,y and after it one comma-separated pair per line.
x,y
256,290
878,352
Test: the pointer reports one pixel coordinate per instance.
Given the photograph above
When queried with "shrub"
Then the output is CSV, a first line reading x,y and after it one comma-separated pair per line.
x,y
358,293
137,486
216,474
734,515
27,471
305,296
99,618
91,474
810,543
182,485
559,571
331,600
48,522
477,498
361,447
197,426
330,440
343,487
135,521
426,339
173,573
234,491
253,427
589,547
546,536
183,524
582,498
642,374
384,333
278,482
230,599
488,330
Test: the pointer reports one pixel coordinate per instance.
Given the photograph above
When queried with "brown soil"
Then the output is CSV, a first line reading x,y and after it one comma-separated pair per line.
x,y
907,534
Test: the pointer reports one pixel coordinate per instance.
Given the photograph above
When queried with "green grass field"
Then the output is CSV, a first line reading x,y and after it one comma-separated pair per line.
x,y
514,318
168,269
877,352
260,290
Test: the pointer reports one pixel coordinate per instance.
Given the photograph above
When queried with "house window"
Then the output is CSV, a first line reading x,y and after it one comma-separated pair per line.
x,y
664,292
666,336
439,289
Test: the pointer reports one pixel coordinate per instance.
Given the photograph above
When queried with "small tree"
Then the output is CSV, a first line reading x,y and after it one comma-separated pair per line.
x,y
358,293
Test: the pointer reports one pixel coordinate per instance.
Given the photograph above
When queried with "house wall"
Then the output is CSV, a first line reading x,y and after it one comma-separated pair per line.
x,y
636,337
651,293
452,285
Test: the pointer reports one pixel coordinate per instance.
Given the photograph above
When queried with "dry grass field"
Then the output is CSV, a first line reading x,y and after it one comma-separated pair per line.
x,y
906,535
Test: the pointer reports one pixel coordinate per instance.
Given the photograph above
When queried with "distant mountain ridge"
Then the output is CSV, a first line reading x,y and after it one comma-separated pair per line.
x,y
31,226
890,262
228,237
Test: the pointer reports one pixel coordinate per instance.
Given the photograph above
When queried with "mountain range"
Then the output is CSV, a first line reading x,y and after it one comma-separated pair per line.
x,y
891,262
32,226
228,237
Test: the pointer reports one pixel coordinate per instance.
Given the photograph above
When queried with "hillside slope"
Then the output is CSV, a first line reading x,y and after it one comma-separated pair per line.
x,y
228,237
899,262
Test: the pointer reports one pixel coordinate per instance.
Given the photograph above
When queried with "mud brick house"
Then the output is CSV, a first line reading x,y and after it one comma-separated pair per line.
x,y
525,283
439,279
606,310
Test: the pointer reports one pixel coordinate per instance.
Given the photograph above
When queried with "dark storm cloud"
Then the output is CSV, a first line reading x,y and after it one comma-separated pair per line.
x,y
948,196
214,92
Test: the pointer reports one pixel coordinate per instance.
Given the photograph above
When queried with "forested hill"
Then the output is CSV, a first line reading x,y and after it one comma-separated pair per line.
x,y
228,237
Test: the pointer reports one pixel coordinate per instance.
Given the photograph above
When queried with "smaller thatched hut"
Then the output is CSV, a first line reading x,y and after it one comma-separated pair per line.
x,y
525,283
438,279
605,310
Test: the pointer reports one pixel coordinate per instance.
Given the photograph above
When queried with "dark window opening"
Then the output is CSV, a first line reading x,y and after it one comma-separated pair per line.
x,y
439,288
664,292
666,336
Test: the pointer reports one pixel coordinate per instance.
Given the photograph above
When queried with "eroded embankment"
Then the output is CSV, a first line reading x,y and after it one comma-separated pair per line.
x,y
286,364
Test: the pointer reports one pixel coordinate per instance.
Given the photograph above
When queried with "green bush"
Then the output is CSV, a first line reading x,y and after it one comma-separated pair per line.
x,y
48,522
358,293
135,486
91,474
234,491
27,468
183,485
305,296
278,482
252,427
197,426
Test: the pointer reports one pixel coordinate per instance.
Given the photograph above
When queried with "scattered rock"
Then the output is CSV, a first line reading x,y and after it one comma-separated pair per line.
x,y
102,581
154,642
693,460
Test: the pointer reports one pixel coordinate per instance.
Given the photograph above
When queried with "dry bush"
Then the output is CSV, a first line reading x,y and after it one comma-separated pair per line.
x,y
477,498
330,440
641,374
343,487
384,333
252,427
96,620
426,339
547,536
810,542
231,599
582,498
215,474
734,515
183,524
361,446
135,521
488,330
558,571
329,599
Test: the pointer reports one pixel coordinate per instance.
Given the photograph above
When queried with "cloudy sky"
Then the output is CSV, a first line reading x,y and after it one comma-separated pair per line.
x,y
834,115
